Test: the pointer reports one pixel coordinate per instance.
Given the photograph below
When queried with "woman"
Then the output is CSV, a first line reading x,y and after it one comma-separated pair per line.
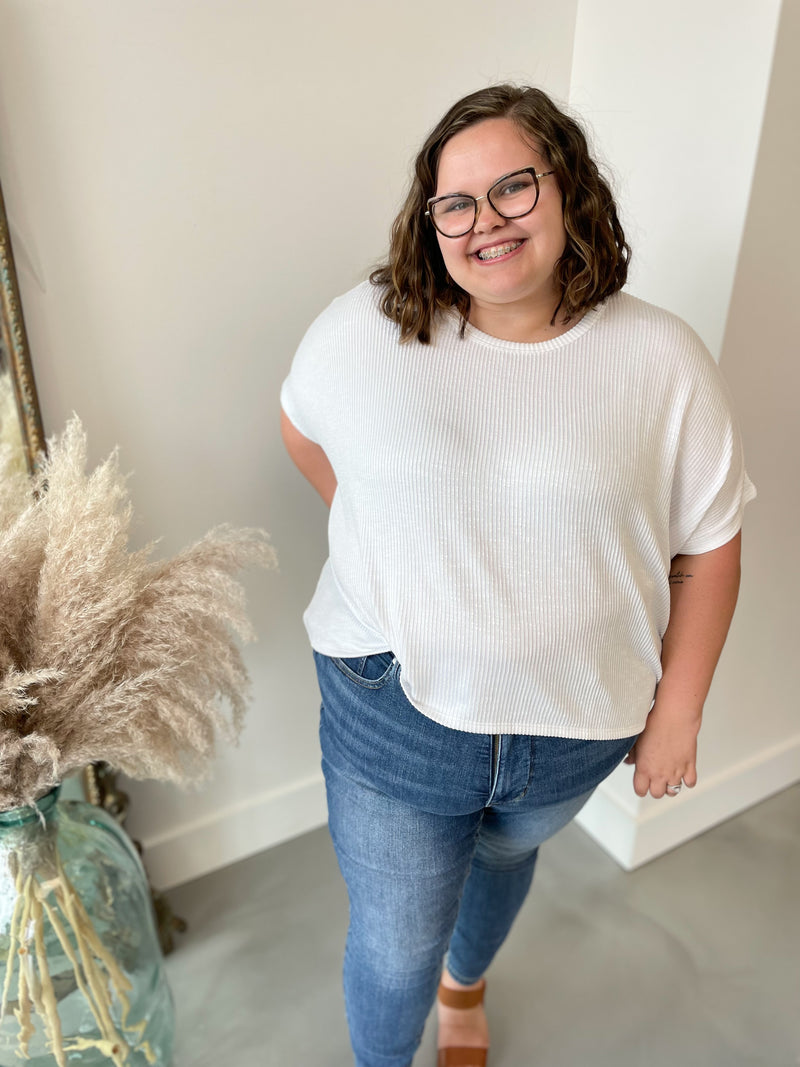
x,y
537,488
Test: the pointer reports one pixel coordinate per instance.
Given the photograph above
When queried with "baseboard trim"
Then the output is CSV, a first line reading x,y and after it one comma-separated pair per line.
x,y
631,833
636,833
234,832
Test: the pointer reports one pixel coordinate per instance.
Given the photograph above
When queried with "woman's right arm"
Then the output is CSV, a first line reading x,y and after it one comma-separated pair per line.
x,y
309,459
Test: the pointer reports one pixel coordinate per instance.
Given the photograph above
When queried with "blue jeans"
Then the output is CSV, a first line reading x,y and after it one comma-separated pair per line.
x,y
436,832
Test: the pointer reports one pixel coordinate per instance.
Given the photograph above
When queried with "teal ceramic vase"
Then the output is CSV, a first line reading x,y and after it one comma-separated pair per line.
x,y
81,968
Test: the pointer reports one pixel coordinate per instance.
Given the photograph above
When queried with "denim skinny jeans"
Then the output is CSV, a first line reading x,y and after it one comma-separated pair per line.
x,y
436,832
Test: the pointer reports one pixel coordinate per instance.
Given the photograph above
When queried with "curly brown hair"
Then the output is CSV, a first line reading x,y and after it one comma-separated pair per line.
x,y
595,261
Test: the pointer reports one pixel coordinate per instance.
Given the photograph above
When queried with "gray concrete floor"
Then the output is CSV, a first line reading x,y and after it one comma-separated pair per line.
x,y
694,959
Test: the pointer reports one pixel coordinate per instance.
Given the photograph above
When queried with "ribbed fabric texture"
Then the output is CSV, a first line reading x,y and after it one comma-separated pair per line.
x,y
506,513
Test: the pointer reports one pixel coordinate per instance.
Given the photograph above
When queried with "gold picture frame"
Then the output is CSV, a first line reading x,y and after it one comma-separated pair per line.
x,y
17,351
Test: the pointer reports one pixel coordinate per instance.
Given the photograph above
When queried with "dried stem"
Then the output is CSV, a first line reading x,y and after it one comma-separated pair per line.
x,y
98,975
13,938
23,1012
46,1005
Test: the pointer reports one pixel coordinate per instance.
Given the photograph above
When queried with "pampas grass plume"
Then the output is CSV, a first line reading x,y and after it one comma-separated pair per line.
x,y
105,653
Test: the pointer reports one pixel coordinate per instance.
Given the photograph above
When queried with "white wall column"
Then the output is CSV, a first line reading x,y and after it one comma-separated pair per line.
x,y
677,96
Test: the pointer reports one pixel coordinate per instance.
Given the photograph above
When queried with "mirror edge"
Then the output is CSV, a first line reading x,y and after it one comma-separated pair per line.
x,y
16,342
98,780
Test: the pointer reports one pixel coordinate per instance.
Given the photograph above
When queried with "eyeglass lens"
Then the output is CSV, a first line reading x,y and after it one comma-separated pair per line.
x,y
511,197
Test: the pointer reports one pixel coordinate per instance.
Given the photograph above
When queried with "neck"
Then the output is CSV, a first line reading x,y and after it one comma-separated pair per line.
x,y
523,324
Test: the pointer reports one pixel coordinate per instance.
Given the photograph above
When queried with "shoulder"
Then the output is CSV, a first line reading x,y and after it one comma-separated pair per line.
x,y
359,304
653,332
353,315
352,332
626,311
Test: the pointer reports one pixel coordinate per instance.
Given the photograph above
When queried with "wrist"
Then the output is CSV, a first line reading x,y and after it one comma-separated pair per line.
x,y
678,712
682,692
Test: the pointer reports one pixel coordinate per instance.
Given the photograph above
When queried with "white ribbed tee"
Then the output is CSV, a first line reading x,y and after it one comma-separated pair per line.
x,y
506,513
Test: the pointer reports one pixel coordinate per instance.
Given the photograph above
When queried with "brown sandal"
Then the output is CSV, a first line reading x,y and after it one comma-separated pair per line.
x,y
461,999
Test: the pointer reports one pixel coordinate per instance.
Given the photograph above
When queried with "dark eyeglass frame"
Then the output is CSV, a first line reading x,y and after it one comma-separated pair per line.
x,y
487,196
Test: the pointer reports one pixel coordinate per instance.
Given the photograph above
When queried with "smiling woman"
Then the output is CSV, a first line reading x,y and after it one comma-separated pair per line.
x,y
506,264
498,625
593,260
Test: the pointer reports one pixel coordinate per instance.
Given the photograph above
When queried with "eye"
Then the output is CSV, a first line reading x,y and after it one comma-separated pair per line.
x,y
519,183
452,205
513,187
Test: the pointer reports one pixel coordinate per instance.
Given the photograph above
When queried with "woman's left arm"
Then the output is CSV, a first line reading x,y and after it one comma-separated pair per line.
x,y
703,591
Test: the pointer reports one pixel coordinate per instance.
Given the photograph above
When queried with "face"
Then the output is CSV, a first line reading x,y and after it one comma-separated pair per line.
x,y
520,277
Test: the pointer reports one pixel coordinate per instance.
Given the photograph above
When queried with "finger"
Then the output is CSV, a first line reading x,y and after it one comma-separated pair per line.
x,y
641,783
674,784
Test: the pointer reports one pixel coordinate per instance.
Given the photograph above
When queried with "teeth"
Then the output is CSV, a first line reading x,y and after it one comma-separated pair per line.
x,y
498,250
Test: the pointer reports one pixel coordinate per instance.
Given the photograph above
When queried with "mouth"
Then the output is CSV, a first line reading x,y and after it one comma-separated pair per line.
x,y
490,252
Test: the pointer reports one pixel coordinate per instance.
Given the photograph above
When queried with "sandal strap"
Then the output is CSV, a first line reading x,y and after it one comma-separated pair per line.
x,y
462,1057
461,998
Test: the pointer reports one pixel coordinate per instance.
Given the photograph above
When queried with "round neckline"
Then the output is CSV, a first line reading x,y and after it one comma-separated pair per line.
x,y
551,344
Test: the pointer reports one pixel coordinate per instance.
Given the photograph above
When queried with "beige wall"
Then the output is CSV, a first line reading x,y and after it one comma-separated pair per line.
x,y
147,152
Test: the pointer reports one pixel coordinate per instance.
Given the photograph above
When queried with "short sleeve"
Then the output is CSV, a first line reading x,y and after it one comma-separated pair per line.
x,y
301,397
711,486
293,408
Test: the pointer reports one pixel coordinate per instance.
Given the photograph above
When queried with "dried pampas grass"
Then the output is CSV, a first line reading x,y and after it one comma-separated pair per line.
x,y
106,654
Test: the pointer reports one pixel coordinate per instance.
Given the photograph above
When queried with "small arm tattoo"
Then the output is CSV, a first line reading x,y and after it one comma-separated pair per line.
x,y
678,577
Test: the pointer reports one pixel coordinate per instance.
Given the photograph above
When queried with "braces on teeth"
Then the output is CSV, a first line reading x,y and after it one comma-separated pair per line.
x,y
500,250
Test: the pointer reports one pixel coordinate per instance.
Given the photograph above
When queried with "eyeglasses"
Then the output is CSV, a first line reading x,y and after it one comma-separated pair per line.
x,y
511,196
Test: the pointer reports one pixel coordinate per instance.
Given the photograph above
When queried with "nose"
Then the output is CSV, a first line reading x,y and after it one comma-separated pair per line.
x,y
486,218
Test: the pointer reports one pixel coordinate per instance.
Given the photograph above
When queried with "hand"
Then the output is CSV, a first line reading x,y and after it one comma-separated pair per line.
x,y
664,753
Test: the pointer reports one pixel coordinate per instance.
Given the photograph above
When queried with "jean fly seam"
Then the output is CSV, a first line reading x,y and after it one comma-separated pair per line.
x,y
494,766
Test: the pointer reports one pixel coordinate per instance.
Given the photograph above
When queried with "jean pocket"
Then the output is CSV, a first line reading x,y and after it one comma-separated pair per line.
x,y
371,672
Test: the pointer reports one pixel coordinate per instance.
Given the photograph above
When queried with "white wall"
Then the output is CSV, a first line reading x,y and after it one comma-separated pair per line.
x,y
676,93
681,117
147,151
755,699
